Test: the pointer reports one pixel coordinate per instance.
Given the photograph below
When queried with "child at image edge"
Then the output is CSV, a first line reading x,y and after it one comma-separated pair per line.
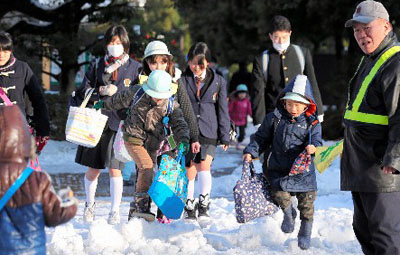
x,y
287,130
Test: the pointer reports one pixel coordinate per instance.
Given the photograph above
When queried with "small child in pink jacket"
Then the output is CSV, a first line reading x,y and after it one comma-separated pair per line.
x,y
239,108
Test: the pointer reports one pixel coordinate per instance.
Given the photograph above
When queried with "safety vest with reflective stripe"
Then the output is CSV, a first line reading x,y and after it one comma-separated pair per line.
x,y
370,118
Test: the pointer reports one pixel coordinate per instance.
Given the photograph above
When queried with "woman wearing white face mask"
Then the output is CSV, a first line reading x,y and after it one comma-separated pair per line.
x,y
276,67
114,72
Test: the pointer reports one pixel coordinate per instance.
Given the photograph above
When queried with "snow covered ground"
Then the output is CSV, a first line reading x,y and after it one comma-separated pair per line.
x,y
332,230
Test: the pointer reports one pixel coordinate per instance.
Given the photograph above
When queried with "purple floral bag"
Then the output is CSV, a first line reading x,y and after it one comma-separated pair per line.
x,y
252,199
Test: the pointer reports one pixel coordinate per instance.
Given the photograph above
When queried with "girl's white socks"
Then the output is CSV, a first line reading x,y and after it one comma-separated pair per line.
x,y
90,190
205,181
190,191
116,188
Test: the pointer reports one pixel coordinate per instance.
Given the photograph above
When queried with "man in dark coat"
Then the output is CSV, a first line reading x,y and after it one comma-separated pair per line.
x,y
371,151
276,67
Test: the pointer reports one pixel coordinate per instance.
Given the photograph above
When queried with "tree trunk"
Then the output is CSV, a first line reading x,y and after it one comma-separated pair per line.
x,y
67,81
69,67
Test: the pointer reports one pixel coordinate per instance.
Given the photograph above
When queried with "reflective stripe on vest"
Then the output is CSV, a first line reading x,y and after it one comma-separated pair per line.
x,y
370,118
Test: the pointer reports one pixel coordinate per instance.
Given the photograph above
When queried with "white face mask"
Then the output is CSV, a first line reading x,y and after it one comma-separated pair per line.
x,y
280,47
115,50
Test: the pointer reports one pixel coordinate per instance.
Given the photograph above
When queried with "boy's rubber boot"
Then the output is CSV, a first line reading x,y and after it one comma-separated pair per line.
x,y
140,207
289,216
304,236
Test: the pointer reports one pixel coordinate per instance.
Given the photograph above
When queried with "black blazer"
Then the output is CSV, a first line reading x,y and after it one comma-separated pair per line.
x,y
211,109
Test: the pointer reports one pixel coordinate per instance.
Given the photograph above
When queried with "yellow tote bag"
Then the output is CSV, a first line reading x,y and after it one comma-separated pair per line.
x,y
84,125
325,155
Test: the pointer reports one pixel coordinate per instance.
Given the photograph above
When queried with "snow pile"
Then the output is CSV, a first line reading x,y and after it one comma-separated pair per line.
x,y
332,234
65,238
332,229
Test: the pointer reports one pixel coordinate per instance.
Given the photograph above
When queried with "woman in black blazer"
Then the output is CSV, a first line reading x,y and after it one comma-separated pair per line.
x,y
207,92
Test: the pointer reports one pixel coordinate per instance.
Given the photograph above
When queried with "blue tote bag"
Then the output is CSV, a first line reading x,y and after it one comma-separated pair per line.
x,y
169,188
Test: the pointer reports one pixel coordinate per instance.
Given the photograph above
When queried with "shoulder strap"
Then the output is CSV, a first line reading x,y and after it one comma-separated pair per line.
x,y
276,121
300,56
311,126
16,185
96,66
170,105
5,98
265,61
165,120
138,95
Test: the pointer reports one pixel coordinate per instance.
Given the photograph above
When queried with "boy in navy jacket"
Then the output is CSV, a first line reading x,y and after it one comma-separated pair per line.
x,y
291,129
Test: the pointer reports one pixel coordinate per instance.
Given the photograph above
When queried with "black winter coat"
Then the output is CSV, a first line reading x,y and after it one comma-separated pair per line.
x,y
281,70
21,83
369,147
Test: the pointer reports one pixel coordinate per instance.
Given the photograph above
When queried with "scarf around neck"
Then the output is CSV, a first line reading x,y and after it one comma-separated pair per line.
x,y
9,64
112,64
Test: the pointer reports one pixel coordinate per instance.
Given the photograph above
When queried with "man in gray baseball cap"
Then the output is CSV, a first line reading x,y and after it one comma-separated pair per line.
x,y
371,150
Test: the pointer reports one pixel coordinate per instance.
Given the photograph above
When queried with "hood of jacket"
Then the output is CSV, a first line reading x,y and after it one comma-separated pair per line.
x,y
15,139
302,86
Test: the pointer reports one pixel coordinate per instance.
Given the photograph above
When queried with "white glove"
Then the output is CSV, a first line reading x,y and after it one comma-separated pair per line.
x,y
108,90
67,197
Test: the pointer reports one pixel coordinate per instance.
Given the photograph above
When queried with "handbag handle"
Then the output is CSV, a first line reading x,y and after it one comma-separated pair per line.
x,y
86,100
180,158
248,170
